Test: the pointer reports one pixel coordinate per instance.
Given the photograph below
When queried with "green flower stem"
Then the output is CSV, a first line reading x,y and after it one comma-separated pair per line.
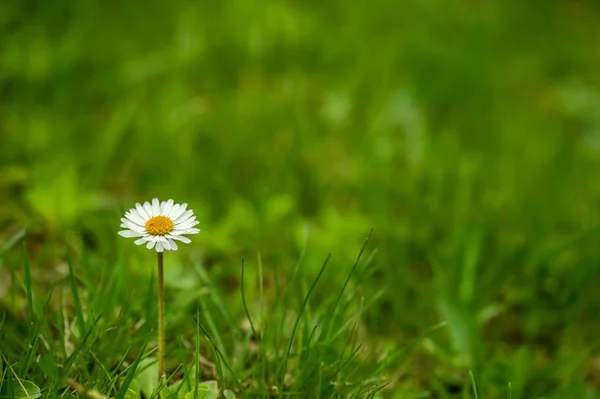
x,y
161,319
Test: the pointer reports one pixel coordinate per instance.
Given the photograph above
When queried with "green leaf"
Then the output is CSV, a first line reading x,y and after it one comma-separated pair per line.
x,y
147,376
170,392
203,393
133,390
206,390
180,388
23,389
47,364
229,394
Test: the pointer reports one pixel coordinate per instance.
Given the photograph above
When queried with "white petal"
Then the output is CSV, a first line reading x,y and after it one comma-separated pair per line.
x,y
186,225
123,220
148,209
177,233
166,244
132,226
191,218
159,247
162,207
176,213
174,209
168,207
157,238
130,233
155,206
135,212
190,231
180,238
142,212
173,245
150,244
135,218
185,215
137,228
140,241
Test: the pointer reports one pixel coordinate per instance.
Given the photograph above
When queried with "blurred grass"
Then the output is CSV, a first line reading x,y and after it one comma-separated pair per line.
x,y
466,134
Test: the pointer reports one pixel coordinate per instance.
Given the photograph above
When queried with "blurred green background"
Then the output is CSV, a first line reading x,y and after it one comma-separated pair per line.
x,y
466,133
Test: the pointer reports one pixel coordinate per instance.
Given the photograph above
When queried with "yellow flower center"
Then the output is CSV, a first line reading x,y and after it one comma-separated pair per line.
x,y
159,225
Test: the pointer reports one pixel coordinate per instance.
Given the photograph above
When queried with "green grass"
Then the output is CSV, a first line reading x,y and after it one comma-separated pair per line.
x,y
103,352
465,135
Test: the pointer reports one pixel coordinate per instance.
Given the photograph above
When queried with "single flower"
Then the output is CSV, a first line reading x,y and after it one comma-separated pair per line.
x,y
159,224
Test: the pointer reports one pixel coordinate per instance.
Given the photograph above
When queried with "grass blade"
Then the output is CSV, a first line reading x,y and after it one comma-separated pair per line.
x,y
406,348
131,374
473,384
218,351
310,290
71,359
332,312
34,339
12,241
28,284
244,302
75,293
2,323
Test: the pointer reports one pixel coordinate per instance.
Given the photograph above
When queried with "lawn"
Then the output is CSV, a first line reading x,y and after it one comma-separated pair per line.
x,y
397,199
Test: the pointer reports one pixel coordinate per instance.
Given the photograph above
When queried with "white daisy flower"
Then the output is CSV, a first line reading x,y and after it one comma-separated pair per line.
x,y
159,224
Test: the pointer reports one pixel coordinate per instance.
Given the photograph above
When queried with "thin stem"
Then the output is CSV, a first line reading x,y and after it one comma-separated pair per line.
x,y
161,319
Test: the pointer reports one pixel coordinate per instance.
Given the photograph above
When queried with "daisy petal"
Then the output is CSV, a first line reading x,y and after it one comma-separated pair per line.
x,y
125,219
132,226
148,209
192,218
166,244
174,209
130,233
135,212
150,244
140,241
135,218
155,206
173,245
178,233
180,238
185,215
186,225
168,207
159,247
142,211
175,214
